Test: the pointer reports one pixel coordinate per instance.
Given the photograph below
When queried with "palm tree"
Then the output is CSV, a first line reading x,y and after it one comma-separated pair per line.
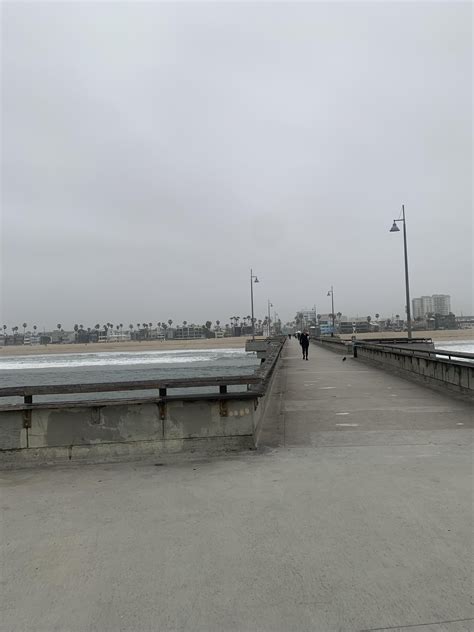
x,y
218,322
377,316
170,322
369,318
35,328
76,329
339,314
24,329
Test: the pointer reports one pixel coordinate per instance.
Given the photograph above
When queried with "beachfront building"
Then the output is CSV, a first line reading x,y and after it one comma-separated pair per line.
x,y
435,304
189,332
422,306
441,304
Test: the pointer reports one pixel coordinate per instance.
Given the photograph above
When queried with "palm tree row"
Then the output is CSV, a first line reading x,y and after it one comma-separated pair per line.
x,y
138,330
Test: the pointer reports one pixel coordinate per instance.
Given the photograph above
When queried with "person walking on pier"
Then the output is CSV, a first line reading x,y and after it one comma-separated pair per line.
x,y
304,342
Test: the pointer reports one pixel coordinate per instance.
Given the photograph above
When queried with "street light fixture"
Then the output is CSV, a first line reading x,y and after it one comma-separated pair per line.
x,y
395,229
253,279
331,294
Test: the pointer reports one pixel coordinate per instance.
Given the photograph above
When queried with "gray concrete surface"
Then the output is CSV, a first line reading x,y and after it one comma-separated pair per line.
x,y
355,514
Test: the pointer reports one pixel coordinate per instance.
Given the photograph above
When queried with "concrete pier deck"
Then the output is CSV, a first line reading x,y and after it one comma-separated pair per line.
x,y
355,514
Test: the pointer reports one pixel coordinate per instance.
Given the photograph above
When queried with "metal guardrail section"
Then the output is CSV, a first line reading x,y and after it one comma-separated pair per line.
x,y
256,384
437,355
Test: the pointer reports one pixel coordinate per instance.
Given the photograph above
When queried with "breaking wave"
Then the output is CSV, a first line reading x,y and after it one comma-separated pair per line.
x,y
112,359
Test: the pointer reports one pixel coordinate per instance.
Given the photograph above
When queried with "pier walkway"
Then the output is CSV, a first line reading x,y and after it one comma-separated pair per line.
x,y
355,514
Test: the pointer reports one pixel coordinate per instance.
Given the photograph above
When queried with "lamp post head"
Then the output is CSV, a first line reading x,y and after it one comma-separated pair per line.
x,y
256,280
394,228
329,293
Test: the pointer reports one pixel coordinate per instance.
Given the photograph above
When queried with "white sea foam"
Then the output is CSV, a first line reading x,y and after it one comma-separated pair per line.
x,y
118,358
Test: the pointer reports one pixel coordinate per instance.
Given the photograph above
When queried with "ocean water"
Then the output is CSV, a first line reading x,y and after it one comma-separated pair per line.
x,y
86,368
464,346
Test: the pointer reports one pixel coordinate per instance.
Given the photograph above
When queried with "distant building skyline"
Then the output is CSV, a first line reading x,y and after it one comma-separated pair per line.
x,y
434,304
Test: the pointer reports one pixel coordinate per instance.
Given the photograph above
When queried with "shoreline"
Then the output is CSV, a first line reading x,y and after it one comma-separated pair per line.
x,y
124,347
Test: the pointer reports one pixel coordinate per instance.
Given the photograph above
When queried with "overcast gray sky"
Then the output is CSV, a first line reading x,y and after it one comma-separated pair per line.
x,y
153,153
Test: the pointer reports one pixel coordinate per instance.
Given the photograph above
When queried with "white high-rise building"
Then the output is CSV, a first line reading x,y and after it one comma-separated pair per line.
x,y
436,304
426,305
417,308
441,304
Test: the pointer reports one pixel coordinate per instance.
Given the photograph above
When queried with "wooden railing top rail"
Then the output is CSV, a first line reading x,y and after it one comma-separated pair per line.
x,y
136,385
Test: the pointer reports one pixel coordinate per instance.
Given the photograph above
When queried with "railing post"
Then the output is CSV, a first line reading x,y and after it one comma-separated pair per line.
x,y
223,388
28,399
162,392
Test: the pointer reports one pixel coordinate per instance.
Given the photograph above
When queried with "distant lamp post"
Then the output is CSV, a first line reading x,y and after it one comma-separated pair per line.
x,y
269,318
331,294
395,229
253,279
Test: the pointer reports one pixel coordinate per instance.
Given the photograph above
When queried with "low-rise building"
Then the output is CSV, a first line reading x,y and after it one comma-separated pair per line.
x,y
189,332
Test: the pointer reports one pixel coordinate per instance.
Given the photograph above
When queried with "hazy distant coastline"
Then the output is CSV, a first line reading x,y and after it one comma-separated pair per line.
x,y
209,343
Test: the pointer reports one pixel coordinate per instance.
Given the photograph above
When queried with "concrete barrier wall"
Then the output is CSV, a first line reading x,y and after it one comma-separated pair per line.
x,y
112,431
457,377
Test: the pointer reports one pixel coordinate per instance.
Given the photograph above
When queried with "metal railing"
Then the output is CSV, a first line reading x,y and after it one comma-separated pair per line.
x,y
436,354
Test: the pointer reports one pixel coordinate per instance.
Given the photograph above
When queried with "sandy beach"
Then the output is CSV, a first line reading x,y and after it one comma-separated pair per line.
x,y
100,347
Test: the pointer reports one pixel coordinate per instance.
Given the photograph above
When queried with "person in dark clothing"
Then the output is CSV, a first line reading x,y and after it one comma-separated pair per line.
x,y
304,342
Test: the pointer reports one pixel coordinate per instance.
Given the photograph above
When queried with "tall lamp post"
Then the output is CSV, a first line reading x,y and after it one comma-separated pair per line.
x,y
253,279
331,294
395,229
269,317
